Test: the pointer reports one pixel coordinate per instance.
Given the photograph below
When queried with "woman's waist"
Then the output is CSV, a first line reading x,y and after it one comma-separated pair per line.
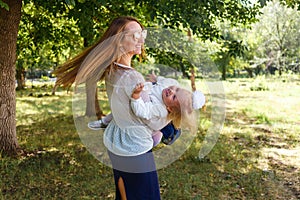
x,y
128,141
131,128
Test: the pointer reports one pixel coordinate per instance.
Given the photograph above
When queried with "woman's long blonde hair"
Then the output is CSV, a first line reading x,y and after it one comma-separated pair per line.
x,y
96,59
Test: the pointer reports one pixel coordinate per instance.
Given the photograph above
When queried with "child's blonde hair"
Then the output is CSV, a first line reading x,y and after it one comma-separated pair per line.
x,y
184,114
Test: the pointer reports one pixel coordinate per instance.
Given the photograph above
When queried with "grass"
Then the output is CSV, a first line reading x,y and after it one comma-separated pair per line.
x,y
256,156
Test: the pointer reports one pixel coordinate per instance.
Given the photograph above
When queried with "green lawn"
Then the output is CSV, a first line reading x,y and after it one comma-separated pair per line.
x,y
257,155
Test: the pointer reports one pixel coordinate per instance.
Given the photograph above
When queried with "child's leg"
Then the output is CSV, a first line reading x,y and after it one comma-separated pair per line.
x,y
170,134
102,123
156,136
107,119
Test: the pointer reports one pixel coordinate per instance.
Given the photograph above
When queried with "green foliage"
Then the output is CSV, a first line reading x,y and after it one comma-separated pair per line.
x,y
271,44
201,15
45,78
259,87
232,48
291,3
288,3
44,41
4,5
262,119
180,51
52,31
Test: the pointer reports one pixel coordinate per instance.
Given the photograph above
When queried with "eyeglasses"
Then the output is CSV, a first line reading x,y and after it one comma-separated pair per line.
x,y
138,34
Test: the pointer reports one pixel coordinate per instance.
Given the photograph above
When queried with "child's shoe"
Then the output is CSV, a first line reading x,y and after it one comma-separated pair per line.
x,y
97,125
170,134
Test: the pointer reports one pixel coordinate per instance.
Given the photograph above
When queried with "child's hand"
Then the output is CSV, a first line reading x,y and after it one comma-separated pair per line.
x,y
138,88
136,93
152,77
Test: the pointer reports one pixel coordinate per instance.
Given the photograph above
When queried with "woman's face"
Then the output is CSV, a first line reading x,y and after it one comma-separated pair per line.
x,y
134,39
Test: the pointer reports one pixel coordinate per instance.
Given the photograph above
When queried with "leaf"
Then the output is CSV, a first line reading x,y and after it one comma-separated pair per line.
x,y
70,2
4,5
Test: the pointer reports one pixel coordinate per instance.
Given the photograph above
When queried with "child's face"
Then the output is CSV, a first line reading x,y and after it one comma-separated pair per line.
x,y
171,97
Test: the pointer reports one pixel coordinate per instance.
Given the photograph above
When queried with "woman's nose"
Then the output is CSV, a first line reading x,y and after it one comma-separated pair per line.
x,y
141,40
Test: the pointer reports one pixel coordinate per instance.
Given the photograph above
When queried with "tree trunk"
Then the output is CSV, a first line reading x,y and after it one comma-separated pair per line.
x,y
92,104
9,23
193,84
223,72
192,78
20,76
249,71
99,112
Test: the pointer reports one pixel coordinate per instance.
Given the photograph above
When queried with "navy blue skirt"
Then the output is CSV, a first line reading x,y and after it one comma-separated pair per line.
x,y
139,176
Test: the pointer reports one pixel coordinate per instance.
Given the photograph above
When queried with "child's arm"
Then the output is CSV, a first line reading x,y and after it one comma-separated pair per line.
x,y
152,77
145,110
136,94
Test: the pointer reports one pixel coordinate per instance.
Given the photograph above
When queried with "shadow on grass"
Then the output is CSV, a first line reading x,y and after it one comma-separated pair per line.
x,y
230,171
54,165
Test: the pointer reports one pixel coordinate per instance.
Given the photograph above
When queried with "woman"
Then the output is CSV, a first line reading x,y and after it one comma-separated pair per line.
x,y
127,139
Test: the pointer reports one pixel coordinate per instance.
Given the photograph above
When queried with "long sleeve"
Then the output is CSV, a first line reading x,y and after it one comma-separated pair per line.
x,y
148,110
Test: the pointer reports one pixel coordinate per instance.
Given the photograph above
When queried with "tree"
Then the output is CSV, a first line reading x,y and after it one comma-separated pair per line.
x,y
288,3
230,49
274,39
44,41
9,22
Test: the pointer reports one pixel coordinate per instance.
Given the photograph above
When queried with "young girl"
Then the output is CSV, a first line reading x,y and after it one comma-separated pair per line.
x,y
167,103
